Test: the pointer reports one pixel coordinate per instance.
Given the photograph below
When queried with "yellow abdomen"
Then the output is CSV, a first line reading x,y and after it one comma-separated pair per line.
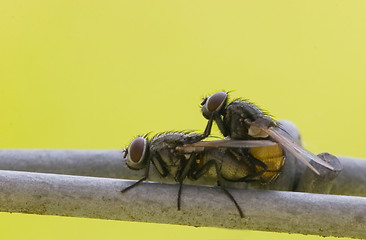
x,y
273,157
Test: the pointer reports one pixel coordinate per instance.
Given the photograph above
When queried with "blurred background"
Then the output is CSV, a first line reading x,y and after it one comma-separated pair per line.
x,y
93,74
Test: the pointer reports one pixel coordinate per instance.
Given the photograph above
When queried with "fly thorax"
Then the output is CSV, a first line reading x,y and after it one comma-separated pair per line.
x,y
233,120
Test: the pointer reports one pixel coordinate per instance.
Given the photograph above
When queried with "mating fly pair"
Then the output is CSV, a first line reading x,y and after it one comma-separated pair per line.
x,y
253,150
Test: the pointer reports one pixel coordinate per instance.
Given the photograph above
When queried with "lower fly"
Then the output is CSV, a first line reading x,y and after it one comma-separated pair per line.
x,y
184,155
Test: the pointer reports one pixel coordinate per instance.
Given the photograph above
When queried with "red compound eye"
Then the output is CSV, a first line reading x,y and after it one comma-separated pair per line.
x,y
136,149
138,153
216,101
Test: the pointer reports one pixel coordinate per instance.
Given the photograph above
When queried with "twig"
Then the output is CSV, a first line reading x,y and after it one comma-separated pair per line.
x,y
110,164
280,211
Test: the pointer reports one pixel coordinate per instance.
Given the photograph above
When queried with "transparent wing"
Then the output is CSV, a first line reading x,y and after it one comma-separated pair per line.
x,y
299,152
224,143
230,143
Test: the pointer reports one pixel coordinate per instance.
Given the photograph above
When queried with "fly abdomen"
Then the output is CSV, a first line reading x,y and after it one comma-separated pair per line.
x,y
273,158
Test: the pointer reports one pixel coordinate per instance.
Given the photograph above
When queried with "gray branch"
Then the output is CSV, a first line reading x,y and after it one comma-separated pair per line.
x,y
110,164
280,211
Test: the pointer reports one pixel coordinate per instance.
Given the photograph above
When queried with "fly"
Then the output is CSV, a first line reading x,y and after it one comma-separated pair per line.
x,y
183,155
243,120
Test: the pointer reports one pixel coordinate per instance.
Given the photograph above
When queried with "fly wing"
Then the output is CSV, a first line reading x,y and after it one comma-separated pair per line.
x,y
229,143
299,152
224,143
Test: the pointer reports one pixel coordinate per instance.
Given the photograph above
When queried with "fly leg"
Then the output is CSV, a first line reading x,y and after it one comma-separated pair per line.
x,y
220,123
193,138
159,165
205,168
140,180
207,131
255,162
184,174
256,175
244,156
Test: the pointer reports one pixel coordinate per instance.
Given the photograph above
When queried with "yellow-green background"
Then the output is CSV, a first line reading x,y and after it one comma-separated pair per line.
x,y
93,74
